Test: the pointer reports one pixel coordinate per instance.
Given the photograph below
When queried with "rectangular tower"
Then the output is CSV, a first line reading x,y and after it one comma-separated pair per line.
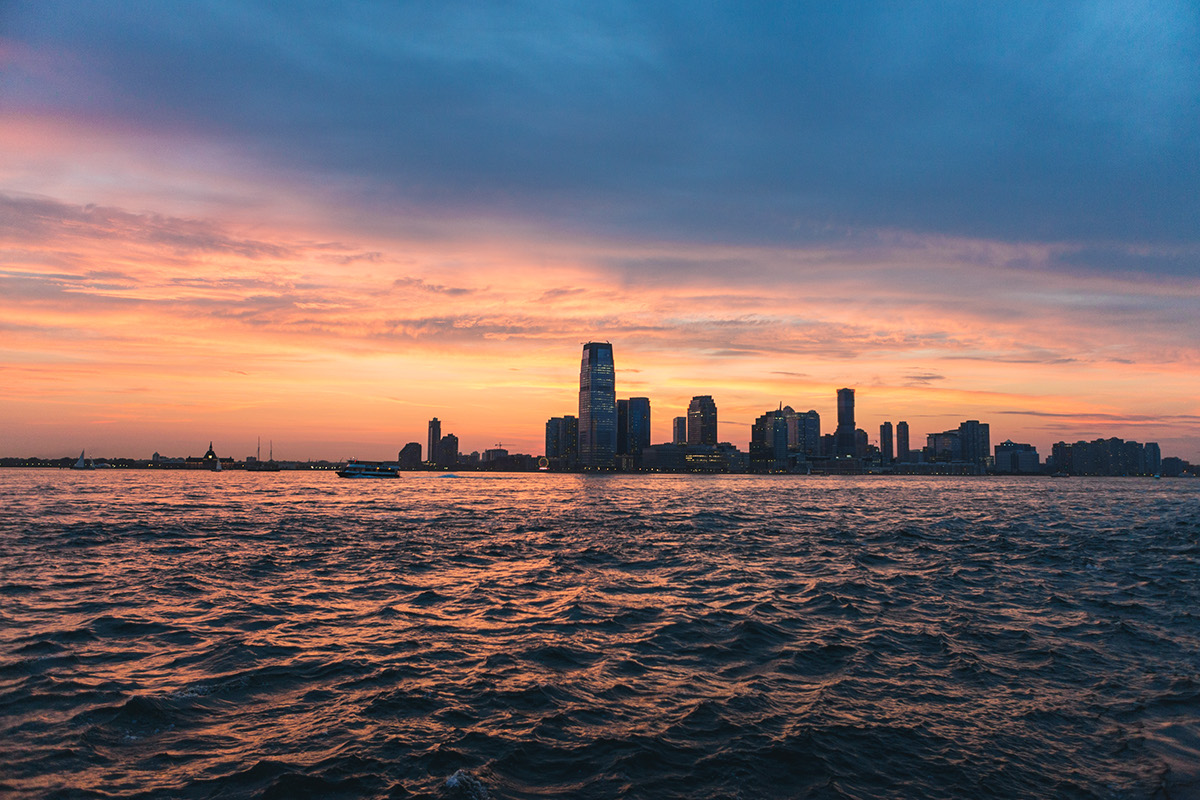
x,y
639,425
679,430
435,439
597,406
702,420
902,441
885,443
843,436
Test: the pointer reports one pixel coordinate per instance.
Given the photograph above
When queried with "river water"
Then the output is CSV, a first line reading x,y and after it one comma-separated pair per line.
x,y
205,635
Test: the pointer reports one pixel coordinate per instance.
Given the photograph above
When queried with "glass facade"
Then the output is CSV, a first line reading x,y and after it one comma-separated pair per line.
x,y
597,406
702,420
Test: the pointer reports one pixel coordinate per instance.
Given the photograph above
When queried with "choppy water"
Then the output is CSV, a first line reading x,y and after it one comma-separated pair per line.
x,y
232,635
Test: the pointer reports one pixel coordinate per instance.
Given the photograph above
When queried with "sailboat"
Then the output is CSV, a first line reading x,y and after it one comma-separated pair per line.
x,y
83,463
263,466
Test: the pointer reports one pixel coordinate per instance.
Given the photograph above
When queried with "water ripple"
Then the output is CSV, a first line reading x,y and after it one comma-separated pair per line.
x,y
538,636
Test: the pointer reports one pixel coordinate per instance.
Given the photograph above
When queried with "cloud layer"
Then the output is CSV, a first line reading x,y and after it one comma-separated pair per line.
x,y
210,210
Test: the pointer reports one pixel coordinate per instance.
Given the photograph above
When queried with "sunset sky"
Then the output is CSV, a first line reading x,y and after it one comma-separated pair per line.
x,y
323,224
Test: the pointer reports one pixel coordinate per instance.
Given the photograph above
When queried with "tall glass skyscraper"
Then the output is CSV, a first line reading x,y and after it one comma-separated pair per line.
x,y
597,406
702,420
843,435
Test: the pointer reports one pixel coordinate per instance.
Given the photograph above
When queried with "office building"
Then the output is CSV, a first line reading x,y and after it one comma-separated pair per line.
x,y
1014,458
885,443
435,438
637,429
679,430
844,443
975,441
562,437
447,455
902,452
769,441
597,407
809,434
702,421
622,427
409,456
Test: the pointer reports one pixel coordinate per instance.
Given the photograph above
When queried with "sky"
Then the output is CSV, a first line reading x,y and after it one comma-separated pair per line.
x,y
322,224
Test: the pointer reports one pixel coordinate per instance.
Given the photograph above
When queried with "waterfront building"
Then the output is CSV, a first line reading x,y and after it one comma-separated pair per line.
x,y
447,455
622,427
1013,458
1106,457
1153,457
769,441
944,446
885,443
637,430
808,440
702,421
434,439
723,457
562,437
597,407
975,441
409,456
843,436
902,452
679,430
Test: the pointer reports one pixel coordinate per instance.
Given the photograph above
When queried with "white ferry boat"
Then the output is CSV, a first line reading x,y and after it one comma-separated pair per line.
x,y
359,469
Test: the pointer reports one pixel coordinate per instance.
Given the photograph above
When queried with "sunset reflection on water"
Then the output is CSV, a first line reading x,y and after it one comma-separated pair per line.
x,y
560,635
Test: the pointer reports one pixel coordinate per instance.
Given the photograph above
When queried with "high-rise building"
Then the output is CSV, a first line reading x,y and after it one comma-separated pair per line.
x,y
679,430
809,440
1012,457
975,441
435,438
562,437
638,426
622,427
597,406
409,456
902,441
448,451
769,441
1153,458
702,420
885,443
843,437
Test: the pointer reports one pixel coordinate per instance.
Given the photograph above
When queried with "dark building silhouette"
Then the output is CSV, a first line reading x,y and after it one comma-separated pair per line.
x,y
597,406
1016,459
448,451
943,447
434,439
902,451
1106,457
843,436
808,434
885,443
637,430
410,456
562,437
679,430
769,441
622,427
975,441
702,421
862,444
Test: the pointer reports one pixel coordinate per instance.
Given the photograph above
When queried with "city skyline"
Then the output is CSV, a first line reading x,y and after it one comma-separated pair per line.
x,y
325,230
